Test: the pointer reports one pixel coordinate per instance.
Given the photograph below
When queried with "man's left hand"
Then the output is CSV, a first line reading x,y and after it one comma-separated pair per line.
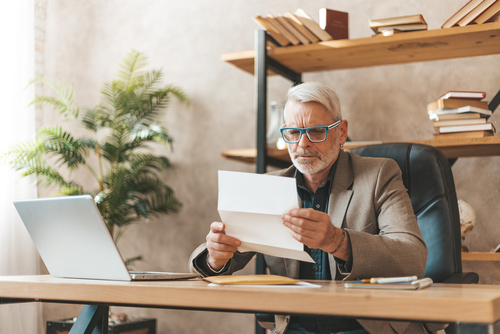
x,y
313,229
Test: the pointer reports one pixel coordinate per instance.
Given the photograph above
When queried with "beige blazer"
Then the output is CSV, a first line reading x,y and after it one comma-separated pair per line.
x,y
367,198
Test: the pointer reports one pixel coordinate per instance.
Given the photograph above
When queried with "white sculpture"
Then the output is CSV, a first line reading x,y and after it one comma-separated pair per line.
x,y
467,217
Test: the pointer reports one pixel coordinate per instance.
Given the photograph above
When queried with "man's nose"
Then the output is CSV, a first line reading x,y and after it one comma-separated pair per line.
x,y
304,141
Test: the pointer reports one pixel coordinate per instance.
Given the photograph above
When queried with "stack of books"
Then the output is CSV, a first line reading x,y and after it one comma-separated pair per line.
x,y
299,28
475,12
460,114
393,25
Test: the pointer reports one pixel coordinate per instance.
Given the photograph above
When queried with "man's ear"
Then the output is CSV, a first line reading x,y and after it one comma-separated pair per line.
x,y
343,131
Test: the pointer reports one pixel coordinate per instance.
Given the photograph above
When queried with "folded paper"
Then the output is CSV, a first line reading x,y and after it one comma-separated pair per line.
x,y
251,205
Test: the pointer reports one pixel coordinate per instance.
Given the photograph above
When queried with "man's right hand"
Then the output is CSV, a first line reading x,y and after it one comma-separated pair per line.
x,y
220,246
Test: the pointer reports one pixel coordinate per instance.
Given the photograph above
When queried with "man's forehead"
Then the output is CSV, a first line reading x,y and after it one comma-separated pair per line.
x,y
307,112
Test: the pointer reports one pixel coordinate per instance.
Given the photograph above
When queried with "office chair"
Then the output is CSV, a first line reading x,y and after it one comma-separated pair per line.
x,y
428,177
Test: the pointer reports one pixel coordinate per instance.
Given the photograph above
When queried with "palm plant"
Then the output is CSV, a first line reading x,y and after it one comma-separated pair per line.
x,y
128,186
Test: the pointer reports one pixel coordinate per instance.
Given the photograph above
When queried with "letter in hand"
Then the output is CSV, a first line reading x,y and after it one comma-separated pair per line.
x,y
315,230
220,246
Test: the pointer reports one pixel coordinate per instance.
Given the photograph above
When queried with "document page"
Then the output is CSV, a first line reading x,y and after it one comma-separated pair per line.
x,y
251,205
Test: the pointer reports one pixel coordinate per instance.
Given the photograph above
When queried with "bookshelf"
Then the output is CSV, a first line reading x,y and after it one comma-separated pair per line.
x,y
456,42
419,46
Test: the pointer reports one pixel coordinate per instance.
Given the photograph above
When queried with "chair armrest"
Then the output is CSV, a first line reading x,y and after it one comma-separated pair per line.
x,y
463,278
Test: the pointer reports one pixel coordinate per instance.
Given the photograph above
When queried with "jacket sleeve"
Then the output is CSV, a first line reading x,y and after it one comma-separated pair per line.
x,y
198,260
395,247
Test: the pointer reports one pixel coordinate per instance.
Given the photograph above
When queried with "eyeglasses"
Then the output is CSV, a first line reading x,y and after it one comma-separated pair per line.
x,y
315,134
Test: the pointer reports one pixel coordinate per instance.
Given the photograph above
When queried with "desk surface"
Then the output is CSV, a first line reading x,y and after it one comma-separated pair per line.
x,y
441,302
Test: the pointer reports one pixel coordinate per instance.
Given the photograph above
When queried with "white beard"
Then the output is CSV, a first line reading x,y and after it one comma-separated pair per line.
x,y
312,167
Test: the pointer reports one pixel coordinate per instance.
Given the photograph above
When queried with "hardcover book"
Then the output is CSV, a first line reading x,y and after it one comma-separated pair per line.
x,y
272,20
463,135
453,20
291,28
416,22
300,27
488,14
465,109
334,22
457,94
464,128
271,30
310,24
473,14
456,103
458,122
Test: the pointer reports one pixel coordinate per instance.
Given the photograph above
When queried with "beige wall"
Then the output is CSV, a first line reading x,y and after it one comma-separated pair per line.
x,y
82,42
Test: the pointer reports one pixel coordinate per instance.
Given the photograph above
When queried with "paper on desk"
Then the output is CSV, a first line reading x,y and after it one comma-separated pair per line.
x,y
251,205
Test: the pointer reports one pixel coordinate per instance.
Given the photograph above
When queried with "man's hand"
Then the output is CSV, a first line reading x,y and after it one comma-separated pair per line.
x,y
314,229
220,246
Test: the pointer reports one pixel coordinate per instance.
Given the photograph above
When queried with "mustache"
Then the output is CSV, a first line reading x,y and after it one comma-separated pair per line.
x,y
296,154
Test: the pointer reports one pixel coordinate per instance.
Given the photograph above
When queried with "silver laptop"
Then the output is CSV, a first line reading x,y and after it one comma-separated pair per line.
x,y
74,242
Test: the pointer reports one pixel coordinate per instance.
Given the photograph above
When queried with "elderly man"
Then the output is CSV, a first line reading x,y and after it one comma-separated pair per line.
x,y
356,219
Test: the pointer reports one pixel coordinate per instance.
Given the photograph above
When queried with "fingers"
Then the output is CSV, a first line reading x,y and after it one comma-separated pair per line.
x,y
310,227
220,246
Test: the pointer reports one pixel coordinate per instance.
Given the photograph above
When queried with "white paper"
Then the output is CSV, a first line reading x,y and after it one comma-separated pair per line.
x,y
251,205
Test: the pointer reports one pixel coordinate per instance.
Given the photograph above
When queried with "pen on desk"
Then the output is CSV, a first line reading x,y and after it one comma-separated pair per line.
x,y
389,280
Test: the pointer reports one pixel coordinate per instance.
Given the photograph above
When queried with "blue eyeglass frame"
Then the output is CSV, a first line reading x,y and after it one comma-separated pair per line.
x,y
304,130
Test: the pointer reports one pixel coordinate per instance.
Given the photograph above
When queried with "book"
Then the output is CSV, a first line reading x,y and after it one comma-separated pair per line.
x,y
464,128
494,18
389,32
457,94
271,30
400,20
403,27
448,117
463,135
453,20
403,23
272,20
458,122
310,24
456,103
443,111
334,22
300,27
488,14
413,285
294,31
473,14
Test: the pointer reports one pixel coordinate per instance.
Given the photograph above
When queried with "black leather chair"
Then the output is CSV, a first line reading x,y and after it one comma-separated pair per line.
x,y
428,177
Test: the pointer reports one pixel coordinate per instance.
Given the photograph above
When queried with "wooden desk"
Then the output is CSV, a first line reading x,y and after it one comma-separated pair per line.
x,y
478,304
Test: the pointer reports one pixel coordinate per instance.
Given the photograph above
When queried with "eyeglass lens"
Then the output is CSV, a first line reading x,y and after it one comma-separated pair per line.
x,y
314,134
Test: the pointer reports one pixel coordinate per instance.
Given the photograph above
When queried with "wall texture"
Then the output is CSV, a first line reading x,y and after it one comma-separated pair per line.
x,y
81,42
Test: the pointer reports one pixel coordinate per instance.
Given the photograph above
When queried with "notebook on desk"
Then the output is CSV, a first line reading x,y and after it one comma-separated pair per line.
x,y
74,242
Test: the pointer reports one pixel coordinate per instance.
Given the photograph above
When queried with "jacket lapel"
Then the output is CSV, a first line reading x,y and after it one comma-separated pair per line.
x,y
341,194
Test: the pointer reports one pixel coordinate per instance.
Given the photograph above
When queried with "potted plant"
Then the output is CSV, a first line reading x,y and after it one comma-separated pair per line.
x,y
128,185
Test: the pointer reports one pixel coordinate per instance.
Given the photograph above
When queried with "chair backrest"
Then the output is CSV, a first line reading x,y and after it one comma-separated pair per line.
x,y
427,176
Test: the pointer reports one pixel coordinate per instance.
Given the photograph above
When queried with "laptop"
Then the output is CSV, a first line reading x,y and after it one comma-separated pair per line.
x,y
74,242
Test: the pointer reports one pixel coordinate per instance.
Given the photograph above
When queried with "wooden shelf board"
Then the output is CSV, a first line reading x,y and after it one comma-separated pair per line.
x,y
456,42
480,256
456,148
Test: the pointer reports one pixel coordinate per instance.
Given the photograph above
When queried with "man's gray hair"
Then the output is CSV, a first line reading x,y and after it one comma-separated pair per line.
x,y
316,92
